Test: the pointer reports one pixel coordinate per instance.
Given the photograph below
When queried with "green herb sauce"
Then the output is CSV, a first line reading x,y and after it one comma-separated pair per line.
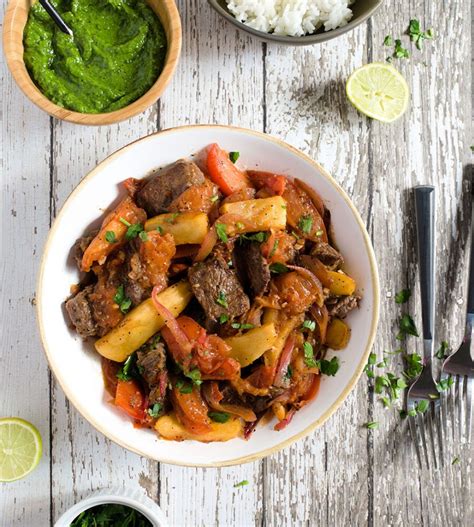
x,y
116,54
111,514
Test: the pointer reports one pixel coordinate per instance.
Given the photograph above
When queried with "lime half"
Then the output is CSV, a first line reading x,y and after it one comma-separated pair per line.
x,y
379,91
20,448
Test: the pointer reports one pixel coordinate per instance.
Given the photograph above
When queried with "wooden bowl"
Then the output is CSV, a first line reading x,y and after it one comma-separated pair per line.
x,y
14,23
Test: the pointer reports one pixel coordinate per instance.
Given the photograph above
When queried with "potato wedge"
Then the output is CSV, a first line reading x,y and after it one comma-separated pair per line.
x,y
341,284
249,346
264,214
142,323
186,227
338,334
168,427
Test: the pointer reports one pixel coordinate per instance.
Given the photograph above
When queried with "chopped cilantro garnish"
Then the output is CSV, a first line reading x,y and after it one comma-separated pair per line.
x,y
155,410
133,231
221,230
241,484
278,268
256,237
127,371
422,406
236,325
455,461
183,387
274,248
222,299
143,236
233,156
305,224
417,36
372,425
125,222
121,300
442,352
309,359
400,52
309,324
159,228
402,296
110,237
414,366
328,367
388,41
444,384
195,376
172,217
219,417
223,318
407,327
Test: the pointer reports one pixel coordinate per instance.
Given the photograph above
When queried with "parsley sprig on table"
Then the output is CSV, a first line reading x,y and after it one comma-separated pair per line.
x,y
416,35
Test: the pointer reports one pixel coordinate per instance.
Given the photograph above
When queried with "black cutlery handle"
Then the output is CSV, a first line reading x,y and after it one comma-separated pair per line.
x,y
49,8
425,225
470,284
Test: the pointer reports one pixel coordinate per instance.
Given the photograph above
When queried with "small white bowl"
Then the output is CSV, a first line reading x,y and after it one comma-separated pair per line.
x,y
76,364
134,499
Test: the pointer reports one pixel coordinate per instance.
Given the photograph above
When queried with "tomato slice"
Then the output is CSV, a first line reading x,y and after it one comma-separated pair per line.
x,y
130,399
191,410
275,183
223,172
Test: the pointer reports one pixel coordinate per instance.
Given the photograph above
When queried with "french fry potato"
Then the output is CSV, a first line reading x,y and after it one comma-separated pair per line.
x,y
248,347
186,227
264,214
273,354
142,323
338,334
168,427
341,284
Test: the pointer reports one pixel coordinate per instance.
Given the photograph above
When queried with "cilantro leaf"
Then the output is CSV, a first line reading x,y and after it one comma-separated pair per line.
x,y
183,387
155,410
195,376
417,36
233,156
444,384
309,324
172,217
236,325
278,268
400,52
133,231
256,237
407,327
143,236
274,248
241,484
221,230
388,41
443,351
372,425
414,366
128,369
110,237
328,367
223,318
305,224
219,417
403,296
121,300
309,359
222,299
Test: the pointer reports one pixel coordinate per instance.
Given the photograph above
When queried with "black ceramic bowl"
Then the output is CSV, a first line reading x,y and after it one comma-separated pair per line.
x,y
362,10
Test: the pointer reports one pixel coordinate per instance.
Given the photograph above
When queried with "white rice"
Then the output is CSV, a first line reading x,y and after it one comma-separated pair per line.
x,y
291,17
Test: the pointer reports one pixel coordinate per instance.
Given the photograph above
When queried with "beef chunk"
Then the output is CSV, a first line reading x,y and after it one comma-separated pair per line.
x,y
80,313
328,255
252,267
81,245
156,196
218,289
341,307
151,360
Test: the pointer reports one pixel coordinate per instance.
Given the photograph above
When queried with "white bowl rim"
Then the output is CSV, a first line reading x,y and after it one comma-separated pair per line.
x,y
358,370
144,506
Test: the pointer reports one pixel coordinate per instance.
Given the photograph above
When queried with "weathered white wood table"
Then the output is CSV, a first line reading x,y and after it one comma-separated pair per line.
x,y
342,474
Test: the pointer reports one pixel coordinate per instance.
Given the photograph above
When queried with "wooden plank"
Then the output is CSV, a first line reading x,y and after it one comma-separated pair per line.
x,y
220,80
83,460
322,480
24,209
427,146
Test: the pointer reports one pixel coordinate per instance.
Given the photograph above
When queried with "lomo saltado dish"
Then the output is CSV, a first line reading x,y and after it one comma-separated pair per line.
x,y
214,294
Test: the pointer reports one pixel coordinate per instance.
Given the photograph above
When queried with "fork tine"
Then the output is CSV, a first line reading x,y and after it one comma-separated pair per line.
x,y
444,424
421,426
460,403
414,437
433,416
452,408
469,389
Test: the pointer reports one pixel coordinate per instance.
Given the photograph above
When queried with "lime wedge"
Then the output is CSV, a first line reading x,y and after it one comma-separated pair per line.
x,y
379,91
20,448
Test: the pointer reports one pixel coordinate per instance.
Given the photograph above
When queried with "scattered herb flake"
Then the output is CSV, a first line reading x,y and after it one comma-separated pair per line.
x,y
127,371
155,410
445,384
236,325
257,237
442,352
388,41
278,268
407,327
110,237
309,324
305,224
233,156
219,417
159,228
455,461
242,483
274,248
328,367
372,425
223,318
172,217
125,222
403,296
309,359
183,387
422,406
222,299
143,236
417,36
400,52
221,230
133,231
195,376
414,366
121,300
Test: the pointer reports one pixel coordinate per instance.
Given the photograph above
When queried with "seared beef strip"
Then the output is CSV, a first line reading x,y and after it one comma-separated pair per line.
x,y
218,289
159,192
151,361
328,255
343,305
252,267
80,313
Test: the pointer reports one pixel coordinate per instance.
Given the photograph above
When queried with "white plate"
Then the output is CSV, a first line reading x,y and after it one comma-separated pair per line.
x,y
77,366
